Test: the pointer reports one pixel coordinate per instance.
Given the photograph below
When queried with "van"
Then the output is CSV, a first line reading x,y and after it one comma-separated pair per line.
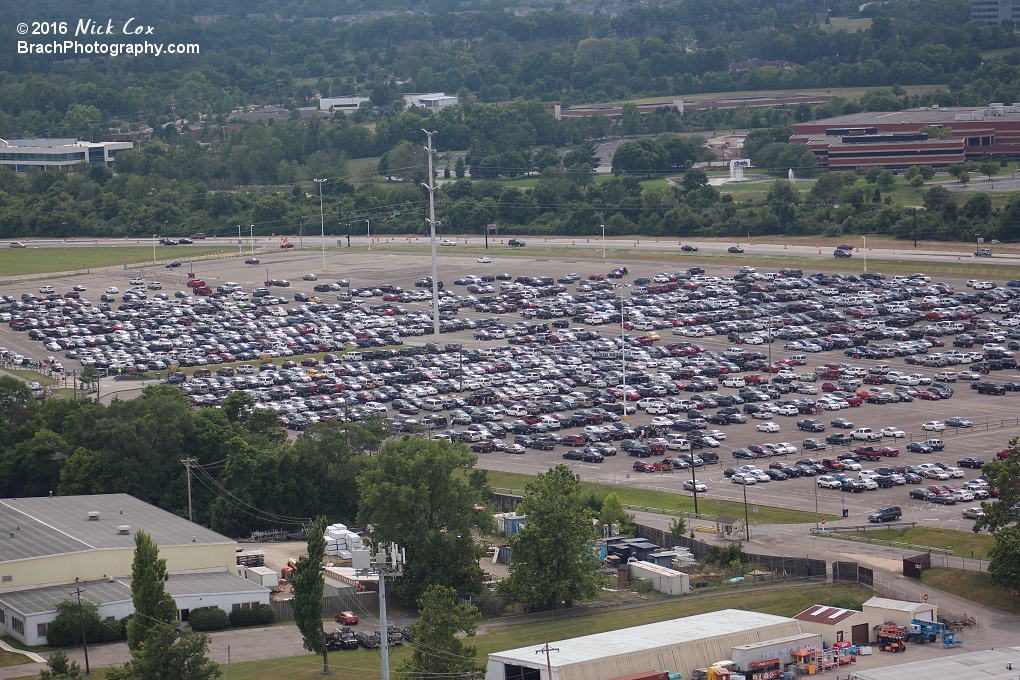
x,y
799,359
889,513
353,356
433,404
678,443
246,369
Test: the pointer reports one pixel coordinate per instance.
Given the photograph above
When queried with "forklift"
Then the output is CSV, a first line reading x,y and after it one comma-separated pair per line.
x,y
891,638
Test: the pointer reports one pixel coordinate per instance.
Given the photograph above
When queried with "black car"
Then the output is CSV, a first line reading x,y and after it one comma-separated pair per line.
x,y
841,253
811,425
734,249
975,463
813,444
920,494
516,243
687,247
889,513
852,485
173,264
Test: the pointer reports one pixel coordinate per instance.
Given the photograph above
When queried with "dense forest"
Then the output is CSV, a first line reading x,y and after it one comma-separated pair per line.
x,y
206,170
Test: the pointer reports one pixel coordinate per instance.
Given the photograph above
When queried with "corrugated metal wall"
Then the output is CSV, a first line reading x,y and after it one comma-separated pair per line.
x,y
97,564
683,657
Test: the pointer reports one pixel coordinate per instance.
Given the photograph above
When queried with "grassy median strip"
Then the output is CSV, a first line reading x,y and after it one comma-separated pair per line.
x,y
670,501
962,543
32,260
975,586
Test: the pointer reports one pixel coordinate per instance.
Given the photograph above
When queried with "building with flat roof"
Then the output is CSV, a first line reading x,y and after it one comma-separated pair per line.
x,y
994,11
836,624
50,544
894,138
1002,663
434,101
675,645
56,154
345,104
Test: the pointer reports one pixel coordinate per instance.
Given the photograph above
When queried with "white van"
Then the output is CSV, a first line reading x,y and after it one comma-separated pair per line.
x,y
678,443
433,404
246,369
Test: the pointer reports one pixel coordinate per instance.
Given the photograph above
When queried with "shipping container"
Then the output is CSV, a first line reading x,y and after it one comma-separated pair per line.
x,y
264,576
779,648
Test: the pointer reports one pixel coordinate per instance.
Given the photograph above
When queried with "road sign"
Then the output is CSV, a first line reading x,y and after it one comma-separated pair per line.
x,y
926,597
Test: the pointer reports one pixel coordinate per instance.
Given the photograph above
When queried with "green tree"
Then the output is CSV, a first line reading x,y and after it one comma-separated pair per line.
x,y
168,653
886,180
582,154
89,377
421,494
1004,475
458,167
153,605
762,137
630,119
65,629
437,650
1004,558
614,513
308,583
552,559
978,206
694,178
782,192
917,181
963,177
58,667
642,157
678,527
989,169
937,131
547,157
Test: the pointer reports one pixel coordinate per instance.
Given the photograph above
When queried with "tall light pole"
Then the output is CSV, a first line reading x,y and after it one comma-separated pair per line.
x,y
865,254
694,484
623,358
153,250
322,224
251,237
977,243
432,224
747,523
603,241
239,239
369,228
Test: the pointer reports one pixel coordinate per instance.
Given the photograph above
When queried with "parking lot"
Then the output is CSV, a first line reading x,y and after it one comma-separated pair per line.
x,y
698,323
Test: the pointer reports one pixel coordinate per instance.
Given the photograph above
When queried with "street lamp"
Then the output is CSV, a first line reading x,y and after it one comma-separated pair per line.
x,y
865,254
816,506
694,484
603,241
369,227
977,242
747,523
322,224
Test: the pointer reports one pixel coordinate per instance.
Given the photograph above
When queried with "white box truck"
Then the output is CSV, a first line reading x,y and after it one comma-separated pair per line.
x,y
779,648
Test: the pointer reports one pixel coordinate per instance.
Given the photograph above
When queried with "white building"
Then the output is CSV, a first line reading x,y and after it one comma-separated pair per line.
x,y
56,154
434,101
345,104
900,612
674,645
50,545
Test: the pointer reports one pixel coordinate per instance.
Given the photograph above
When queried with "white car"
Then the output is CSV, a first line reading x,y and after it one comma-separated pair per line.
x,y
716,434
934,426
788,410
851,465
484,260
946,376
955,472
767,427
80,287
762,415
827,482
47,290
734,381
661,421
447,242
869,483
155,285
894,432
137,281
743,478
113,290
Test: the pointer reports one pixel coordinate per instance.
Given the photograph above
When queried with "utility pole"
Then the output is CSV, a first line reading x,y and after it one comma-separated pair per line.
x,y
747,523
548,662
188,462
694,483
432,223
228,662
251,237
915,228
81,620
396,558
322,224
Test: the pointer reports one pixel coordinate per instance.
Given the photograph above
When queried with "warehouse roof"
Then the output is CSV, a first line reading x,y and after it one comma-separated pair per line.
x,y
101,592
919,116
991,664
820,613
647,637
58,525
899,605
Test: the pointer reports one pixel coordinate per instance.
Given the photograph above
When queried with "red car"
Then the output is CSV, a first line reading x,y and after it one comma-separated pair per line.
x,y
252,260
644,466
483,446
930,396
195,283
888,451
347,618
287,246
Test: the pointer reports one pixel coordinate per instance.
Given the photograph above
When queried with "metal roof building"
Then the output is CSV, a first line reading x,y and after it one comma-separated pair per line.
x,y
990,664
58,539
676,645
900,612
835,624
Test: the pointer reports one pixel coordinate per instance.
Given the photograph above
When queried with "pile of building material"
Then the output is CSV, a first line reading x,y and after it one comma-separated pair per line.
x,y
683,559
340,541
251,558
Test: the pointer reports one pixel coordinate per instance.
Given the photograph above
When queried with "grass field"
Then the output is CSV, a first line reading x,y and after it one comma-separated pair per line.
x,y
962,543
970,585
667,501
12,659
16,261
844,24
362,663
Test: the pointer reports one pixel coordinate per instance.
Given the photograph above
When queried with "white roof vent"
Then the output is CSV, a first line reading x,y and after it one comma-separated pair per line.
x,y
94,516
124,529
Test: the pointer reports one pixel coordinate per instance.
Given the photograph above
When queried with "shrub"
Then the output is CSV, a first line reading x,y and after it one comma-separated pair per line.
x,y
263,615
111,630
65,629
208,618
489,605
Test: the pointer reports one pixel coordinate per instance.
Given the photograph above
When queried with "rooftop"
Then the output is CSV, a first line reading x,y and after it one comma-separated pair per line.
x,y
41,600
43,143
43,526
647,637
899,605
991,664
820,613
920,116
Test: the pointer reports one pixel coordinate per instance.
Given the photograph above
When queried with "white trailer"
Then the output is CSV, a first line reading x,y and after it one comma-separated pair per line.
x,y
264,576
779,648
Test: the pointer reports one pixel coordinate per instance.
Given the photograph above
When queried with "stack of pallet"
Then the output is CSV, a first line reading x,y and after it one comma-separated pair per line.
x,y
340,541
251,558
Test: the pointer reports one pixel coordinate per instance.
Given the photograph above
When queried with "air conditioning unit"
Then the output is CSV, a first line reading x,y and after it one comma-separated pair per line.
x,y
124,529
94,516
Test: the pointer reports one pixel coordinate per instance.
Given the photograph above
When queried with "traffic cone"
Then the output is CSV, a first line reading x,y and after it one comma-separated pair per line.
x,y
784,246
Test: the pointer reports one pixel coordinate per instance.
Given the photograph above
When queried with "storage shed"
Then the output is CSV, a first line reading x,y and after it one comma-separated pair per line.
x,y
836,624
663,579
676,645
901,612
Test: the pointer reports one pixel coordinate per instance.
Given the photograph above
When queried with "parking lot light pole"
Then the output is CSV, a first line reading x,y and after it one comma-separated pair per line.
x,y
694,483
432,223
816,506
368,231
322,224
603,241
865,254
747,523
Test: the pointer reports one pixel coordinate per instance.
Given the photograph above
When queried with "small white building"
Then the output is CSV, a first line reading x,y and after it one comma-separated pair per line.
x,y
345,104
901,612
433,101
663,579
